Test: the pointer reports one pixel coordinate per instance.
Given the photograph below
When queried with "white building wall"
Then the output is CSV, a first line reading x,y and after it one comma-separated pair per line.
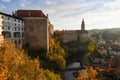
x,y
13,26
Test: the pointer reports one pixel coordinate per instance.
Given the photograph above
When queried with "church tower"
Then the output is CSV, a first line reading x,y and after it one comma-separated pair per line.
x,y
83,25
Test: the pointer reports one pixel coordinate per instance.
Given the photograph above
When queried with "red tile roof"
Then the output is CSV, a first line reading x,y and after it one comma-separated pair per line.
x,y
29,13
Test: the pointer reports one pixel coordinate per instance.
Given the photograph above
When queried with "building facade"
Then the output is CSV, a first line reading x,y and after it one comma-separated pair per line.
x,y
37,28
74,35
69,35
11,28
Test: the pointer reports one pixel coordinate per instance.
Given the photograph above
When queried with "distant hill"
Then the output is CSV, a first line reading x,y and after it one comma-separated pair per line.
x,y
108,34
113,30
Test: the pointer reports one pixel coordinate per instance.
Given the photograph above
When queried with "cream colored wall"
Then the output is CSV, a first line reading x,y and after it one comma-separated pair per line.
x,y
1,25
1,37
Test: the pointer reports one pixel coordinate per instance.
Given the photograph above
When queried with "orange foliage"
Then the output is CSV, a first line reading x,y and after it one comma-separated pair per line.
x,y
89,74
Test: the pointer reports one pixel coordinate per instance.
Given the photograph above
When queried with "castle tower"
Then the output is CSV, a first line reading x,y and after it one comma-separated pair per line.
x,y
83,25
37,26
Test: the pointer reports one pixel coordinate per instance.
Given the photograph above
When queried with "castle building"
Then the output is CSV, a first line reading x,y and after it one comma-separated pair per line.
x,y
11,28
82,34
37,28
74,35
69,35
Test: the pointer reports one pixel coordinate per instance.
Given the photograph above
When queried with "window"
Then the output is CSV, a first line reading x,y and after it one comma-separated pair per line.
x,y
15,28
22,34
8,27
22,21
31,28
19,28
7,34
18,25
22,29
18,20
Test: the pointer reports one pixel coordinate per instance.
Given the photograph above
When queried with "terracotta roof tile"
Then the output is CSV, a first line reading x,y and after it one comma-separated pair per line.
x,y
29,13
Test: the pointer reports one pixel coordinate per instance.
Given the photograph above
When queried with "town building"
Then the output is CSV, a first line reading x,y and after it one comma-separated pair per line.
x,y
38,28
11,28
74,35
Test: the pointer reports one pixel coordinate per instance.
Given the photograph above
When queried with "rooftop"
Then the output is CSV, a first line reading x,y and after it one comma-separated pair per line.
x,y
29,13
10,15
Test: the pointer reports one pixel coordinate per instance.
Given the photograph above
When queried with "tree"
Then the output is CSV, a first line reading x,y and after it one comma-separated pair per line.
x,y
91,46
56,56
89,74
51,76
15,65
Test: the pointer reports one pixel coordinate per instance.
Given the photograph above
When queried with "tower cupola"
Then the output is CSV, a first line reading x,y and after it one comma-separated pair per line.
x,y
83,25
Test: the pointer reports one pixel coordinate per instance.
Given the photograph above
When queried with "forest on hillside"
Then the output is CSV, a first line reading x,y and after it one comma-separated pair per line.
x,y
107,34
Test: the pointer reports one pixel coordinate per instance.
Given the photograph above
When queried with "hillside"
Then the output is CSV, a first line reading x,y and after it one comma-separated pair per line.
x,y
108,34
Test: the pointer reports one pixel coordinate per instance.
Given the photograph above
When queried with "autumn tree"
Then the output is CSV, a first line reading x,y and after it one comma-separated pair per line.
x,y
56,56
90,73
15,65
51,76
91,46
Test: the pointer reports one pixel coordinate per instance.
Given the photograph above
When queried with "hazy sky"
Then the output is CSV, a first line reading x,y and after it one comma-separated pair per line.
x,y
68,14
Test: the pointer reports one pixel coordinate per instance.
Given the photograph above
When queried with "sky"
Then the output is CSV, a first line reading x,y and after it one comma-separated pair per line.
x,y
68,14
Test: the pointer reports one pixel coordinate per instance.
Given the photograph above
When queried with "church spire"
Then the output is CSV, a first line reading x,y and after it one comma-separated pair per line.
x,y
83,25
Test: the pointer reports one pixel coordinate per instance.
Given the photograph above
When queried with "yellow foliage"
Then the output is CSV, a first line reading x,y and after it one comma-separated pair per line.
x,y
15,65
51,76
56,54
91,46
